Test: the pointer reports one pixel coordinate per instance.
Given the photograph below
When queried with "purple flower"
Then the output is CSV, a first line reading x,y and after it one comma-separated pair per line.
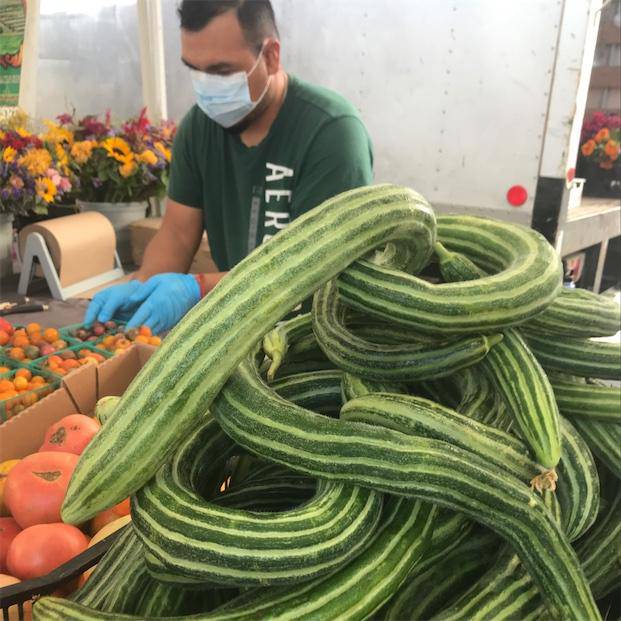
x,y
97,182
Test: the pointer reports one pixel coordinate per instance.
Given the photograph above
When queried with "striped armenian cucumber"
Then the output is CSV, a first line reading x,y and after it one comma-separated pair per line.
x,y
599,550
479,400
121,584
514,372
186,373
580,313
319,391
352,593
269,494
578,487
507,592
421,417
529,279
428,592
276,342
583,357
201,540
604,440
590,399
528,396
353,386
403,362
432,470
116,582
105,407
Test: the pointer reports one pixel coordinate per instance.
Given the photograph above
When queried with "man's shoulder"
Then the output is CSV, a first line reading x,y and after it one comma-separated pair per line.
x,y
319,101
193,119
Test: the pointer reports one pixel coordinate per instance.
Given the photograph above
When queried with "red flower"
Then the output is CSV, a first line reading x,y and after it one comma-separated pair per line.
x,y
65,119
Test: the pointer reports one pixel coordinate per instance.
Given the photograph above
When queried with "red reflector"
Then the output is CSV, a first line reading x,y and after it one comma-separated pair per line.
x,y
571,173
517,195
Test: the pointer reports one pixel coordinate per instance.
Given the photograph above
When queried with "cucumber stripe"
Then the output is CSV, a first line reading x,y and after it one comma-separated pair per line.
x,y
604,439
404,362
578,312
578,487
516,376
582,357
588,400
376,573
418,416
386,460
529,281
199,539
600,550
185,374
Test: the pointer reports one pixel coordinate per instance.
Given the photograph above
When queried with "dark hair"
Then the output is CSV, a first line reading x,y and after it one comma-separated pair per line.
x,y
256,17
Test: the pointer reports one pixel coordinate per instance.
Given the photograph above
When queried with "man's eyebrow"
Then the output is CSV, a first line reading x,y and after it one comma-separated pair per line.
x,y
215,68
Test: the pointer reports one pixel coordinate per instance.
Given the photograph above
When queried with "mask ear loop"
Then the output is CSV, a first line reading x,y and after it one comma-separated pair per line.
x,y
269,77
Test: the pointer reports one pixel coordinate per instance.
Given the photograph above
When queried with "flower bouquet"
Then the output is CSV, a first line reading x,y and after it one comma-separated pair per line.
x,y
599,160
34,170
116,164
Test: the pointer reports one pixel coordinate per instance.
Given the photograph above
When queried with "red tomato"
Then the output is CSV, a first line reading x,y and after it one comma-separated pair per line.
x,y
8,530
39,549
35,488
70,434
6,326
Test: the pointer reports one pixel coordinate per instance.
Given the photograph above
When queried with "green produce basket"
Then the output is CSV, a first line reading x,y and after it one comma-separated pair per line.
x,y
15,405
39,363
13,365
68,332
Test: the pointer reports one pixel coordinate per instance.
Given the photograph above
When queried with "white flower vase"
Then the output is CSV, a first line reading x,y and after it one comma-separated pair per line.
x,y
121,215
6,240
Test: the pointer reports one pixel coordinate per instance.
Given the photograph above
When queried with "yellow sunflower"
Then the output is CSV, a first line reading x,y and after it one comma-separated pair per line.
x,y
148,157
23,132
8,155
81,151
57,134
36,161
117,148
128,168
163,149
45,189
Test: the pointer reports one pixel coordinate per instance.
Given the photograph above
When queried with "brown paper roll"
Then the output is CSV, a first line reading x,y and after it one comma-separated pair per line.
x,y
81,245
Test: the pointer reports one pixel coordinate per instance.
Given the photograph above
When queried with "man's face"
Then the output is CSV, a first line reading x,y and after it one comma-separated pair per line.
x,y
221,49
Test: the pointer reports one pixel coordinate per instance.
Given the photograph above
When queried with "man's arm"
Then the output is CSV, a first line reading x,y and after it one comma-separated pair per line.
x,y
175,244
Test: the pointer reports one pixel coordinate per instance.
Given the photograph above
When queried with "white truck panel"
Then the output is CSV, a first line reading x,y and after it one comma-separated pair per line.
x,y
454,93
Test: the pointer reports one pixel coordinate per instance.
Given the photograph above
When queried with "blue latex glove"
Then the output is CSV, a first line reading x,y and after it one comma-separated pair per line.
x,y
112,303
164,299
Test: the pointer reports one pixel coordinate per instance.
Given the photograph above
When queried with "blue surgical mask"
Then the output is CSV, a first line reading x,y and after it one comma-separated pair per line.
x,y
226,98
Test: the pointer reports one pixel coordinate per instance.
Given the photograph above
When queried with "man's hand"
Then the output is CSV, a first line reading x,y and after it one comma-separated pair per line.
x,y
112,303
163,300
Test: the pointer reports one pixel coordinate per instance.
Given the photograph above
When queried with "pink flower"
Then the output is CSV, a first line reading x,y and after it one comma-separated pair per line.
x,y
16,182
65,184
54,176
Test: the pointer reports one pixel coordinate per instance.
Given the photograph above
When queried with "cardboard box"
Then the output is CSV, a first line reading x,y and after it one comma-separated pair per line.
x,y
79,392
143,231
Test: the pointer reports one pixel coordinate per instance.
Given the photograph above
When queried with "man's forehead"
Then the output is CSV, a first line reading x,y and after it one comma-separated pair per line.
x,y
220,42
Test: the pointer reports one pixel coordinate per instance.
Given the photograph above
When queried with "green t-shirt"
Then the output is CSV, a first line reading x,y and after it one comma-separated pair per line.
x,y
316,148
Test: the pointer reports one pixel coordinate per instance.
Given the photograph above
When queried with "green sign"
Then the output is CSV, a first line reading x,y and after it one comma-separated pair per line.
x,y
12,23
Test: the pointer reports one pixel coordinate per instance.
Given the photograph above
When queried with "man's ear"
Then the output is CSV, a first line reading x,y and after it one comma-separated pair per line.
x,y
272,55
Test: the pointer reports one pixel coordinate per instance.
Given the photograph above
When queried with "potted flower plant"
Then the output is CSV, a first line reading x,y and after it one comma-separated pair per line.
x,y
117,167
33,177
599,162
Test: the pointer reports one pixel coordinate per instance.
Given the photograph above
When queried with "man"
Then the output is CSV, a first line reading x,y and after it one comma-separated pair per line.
x,y
260,148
